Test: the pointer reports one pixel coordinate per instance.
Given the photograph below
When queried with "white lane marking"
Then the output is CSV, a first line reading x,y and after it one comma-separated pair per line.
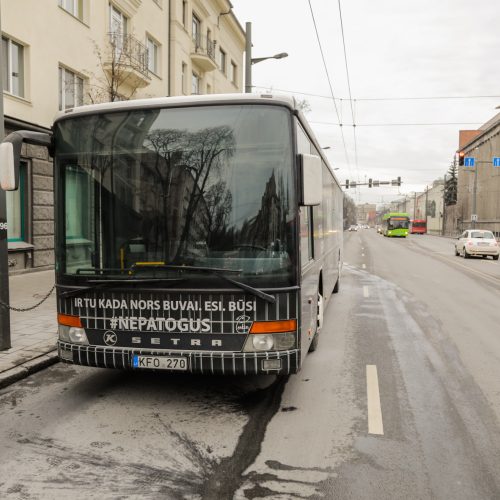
x,y
363,266
366,292
362,255
375,425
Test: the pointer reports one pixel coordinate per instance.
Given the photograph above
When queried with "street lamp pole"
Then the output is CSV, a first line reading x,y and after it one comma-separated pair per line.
x,y
474,196
249,60
4,255
248,57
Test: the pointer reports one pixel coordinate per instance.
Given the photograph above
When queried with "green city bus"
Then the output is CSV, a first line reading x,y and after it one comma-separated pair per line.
x,y
395,224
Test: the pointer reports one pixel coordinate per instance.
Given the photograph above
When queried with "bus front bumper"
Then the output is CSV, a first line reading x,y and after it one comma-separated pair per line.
x,y
224,363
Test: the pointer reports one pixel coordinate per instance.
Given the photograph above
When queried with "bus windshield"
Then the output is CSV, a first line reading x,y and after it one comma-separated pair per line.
x,y
208,186
398,223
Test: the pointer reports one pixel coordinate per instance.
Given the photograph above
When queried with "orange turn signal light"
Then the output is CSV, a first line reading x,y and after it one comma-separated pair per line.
x,y
65,319
288,325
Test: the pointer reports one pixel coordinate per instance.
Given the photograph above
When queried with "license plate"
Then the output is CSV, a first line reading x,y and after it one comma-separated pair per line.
x,y
483,244
160,362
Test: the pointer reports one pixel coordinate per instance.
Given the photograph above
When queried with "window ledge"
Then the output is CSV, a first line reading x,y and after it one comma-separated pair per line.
x,y
16,246
75,17
17,98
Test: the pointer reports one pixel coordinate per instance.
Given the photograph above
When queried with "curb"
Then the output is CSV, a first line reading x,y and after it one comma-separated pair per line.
x,y
24,370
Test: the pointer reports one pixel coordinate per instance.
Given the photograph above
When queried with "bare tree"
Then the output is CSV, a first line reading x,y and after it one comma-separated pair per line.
x,y
121,61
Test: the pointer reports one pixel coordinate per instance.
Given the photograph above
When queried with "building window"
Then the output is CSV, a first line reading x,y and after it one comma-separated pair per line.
x,y
222,61
70,89
152,55
118,27
13,67
16,207
195,84
232,72
184,13
74,7
196,30
184,78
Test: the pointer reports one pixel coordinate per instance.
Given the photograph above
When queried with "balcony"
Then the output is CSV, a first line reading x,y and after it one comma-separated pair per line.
x,y
127,60
203,53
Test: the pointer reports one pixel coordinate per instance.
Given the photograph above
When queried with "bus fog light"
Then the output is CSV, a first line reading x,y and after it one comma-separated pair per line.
x,y
271,364
64,333
284,341
262,342
77,335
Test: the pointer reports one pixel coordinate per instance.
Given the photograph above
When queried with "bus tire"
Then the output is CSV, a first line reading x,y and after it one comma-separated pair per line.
x,y
319,324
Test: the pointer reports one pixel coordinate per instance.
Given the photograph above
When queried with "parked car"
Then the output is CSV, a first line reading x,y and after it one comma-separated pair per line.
x,y
477,242
353,228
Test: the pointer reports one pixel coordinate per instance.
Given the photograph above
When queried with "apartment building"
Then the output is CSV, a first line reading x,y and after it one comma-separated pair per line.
x,y
57,54
480,183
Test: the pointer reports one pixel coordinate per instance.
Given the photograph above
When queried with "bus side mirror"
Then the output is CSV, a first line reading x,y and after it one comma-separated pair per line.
x,y
9,174
311,180
10,155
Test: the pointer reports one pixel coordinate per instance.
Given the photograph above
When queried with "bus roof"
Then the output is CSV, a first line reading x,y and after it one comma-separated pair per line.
x,y
200,100
192,100
395,214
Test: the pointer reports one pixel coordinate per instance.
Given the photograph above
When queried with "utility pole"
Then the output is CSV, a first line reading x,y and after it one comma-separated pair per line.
x,y
248,58
426,203
4,255
474,195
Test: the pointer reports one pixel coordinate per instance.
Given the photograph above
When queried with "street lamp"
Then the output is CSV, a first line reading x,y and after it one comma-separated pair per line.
x,y
248,57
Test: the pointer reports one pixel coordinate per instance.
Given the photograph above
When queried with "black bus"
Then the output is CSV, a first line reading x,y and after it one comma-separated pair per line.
x,y
199,234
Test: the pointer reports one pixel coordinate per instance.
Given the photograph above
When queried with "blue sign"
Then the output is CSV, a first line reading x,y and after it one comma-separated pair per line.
x,y
496,161
468,161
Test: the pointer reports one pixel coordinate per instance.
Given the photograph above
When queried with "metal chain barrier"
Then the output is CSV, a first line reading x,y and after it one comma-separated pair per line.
x,y
24,309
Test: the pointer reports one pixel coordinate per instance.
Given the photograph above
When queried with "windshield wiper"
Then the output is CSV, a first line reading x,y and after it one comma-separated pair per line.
x,y
98,284
217,271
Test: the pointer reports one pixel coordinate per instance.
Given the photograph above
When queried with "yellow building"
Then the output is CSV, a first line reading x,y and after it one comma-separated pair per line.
x,y
57,54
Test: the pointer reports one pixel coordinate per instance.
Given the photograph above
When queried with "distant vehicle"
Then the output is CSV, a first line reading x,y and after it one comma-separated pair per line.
x,y
379,229
477,242
418,226
395,224
353,228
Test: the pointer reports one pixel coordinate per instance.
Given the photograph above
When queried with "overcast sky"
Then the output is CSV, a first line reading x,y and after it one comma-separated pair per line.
x,y
395,48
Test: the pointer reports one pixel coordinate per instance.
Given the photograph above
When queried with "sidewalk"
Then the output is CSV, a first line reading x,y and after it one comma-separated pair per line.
x,y
33,333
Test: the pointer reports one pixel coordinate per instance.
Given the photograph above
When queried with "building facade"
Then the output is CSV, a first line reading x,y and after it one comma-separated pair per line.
x,y
100,51
480,185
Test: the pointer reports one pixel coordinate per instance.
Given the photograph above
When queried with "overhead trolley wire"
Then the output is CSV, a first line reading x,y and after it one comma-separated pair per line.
x,y
413,98
349,89
330,85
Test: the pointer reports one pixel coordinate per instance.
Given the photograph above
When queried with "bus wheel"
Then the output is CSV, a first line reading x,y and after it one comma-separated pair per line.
x,y
319,324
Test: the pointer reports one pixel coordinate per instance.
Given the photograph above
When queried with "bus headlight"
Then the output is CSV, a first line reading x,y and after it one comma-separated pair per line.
x,y
284,341
270,342
262,342
73,334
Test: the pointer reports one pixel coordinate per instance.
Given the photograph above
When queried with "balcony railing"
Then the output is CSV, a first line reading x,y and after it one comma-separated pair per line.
x,y
128,51
204,46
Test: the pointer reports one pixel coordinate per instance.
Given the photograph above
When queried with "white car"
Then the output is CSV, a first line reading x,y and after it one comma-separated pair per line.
x,y
477,242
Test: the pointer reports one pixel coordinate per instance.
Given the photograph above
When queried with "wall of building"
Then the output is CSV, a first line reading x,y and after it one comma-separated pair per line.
x,y
53,38
483,148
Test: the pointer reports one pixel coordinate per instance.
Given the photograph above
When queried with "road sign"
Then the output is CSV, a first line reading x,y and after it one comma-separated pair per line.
x,y
496,161
469,161
473,218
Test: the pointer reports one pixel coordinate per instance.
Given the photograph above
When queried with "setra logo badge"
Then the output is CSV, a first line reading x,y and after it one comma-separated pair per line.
x,y
243,324
110,338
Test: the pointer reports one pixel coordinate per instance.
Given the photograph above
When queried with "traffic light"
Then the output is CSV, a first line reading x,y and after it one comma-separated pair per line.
x,y
347,183
370,183
461,156
399,181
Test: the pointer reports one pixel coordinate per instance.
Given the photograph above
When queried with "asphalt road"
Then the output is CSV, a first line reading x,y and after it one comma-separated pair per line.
x,y
401,400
